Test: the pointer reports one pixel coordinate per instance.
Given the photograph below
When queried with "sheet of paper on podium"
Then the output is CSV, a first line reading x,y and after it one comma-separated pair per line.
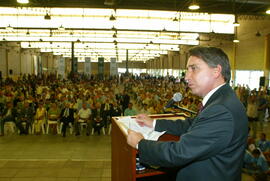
x,y
148,133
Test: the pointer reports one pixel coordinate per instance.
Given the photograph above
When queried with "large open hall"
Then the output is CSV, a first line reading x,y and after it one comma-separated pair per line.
x,y
125,90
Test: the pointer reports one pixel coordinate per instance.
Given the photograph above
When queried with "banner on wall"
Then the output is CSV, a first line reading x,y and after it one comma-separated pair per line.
x,y
61,67
100,67
113,67
87,66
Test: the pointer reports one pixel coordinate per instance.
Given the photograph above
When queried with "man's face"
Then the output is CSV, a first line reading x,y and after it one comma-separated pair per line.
x,y
199,76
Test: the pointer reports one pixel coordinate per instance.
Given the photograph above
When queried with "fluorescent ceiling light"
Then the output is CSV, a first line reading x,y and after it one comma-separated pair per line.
x,y
135,30
268,11
23,1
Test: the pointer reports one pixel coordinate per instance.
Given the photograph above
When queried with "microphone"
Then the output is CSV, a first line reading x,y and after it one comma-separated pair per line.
x,y
176,98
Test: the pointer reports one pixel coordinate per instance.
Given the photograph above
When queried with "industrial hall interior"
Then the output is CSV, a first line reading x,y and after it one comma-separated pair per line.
x,y
69,70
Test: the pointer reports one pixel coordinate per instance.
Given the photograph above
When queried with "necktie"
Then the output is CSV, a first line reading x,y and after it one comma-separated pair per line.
x,y
66,113
201,107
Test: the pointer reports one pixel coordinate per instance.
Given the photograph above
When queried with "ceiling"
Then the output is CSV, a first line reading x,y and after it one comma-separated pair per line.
x,y
95,35
243,7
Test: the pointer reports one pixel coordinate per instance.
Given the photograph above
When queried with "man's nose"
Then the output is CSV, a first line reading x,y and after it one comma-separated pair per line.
x,y
187,77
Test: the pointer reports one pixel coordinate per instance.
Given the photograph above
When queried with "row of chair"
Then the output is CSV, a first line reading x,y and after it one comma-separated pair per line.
x,y
10,128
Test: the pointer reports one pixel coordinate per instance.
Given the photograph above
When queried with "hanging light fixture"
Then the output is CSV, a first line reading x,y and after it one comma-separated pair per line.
x,y
47,16
235,39
194,5
112,18
236,23
61,28
23,1
9,27
268,11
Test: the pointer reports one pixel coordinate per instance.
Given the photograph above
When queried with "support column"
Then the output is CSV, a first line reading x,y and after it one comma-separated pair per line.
x,y
72,58
233,64
126,62
7,67
20,60
266,65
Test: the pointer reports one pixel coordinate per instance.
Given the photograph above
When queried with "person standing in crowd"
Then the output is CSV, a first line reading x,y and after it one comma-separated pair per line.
x,y
212,144
106,109
252,112
125,99
262,107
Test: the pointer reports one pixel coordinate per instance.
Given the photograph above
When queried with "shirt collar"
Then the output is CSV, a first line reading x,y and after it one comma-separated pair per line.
x,y
209,94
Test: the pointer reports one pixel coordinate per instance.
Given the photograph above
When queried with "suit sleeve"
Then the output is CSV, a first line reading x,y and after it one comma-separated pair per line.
x,y
174,127
209,134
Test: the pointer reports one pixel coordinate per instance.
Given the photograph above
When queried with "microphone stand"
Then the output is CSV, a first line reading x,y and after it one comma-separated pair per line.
x,y
183,109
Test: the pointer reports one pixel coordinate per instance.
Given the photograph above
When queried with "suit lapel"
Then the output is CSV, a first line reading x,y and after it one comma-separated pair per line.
x,y
217,94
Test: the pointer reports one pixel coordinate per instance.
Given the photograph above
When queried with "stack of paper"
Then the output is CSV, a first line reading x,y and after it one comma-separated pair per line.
x,y
148,133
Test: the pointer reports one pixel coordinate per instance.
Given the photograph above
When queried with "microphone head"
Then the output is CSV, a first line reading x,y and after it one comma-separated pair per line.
x,y
177,97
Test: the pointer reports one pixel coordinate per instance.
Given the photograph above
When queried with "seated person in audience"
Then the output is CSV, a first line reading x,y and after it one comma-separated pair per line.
x,y
66,117
53,116
2,101
129,111
256,165
83,116
40,117
263,144
25,118
8,115
98,122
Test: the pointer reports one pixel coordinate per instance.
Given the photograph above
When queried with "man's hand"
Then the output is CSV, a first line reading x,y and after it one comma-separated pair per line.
x,y
144,120
133,138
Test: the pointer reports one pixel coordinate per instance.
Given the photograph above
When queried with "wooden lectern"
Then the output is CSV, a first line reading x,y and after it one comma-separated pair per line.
x,y
124,156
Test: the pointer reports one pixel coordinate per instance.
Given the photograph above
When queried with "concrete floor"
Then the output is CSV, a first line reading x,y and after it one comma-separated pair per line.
x,y
54,158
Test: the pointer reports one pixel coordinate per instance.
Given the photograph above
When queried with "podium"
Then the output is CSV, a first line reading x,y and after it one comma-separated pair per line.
x,y
124,156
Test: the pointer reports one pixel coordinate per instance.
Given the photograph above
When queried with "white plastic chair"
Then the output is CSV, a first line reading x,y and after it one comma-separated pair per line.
x,y
70,128
9,127
52,123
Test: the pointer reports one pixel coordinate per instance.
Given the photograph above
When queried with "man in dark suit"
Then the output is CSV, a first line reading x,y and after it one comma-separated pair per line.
x,y
25,117
66,118
106,111
212,144
8,115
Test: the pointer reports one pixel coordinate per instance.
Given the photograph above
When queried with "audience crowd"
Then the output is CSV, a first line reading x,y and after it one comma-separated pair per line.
x,y
46,104
43,104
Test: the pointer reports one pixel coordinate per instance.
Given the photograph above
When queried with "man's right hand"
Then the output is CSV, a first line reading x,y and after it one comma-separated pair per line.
x,y
144,120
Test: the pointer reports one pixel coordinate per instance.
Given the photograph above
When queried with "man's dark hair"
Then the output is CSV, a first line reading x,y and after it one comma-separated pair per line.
x,y
256,152
213,56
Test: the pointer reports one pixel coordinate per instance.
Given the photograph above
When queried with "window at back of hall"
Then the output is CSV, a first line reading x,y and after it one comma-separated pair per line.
x,y
248,77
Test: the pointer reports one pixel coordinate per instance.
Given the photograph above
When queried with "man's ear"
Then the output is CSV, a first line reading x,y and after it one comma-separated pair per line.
x,y
217,71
